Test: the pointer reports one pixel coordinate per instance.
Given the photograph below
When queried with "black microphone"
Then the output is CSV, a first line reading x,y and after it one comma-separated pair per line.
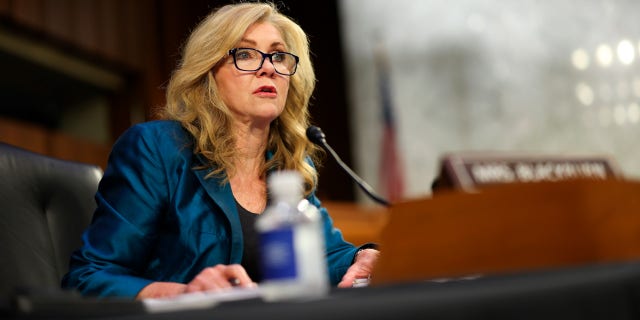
x,y
315,135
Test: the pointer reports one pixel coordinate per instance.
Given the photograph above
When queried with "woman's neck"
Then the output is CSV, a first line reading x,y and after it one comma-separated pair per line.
x,y
251,145
247,181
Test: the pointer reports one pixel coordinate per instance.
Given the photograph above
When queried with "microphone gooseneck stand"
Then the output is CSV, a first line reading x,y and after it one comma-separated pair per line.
x,y
315,135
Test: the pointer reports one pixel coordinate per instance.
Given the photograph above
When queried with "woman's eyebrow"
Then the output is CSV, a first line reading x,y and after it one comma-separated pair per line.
x,y
273,45
251,42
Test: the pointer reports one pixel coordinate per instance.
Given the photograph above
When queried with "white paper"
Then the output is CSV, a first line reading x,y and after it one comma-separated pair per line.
x,y
200,300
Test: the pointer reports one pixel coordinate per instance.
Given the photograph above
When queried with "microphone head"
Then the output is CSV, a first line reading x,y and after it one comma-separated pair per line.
x,y
315,135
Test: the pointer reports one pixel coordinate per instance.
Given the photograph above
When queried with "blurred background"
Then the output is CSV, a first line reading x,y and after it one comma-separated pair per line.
x,y
526,76
400,83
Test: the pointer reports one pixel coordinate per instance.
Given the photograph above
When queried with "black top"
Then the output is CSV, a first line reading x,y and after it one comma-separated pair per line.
x,y
250,254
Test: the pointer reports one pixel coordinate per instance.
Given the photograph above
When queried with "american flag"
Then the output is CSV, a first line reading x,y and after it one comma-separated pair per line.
x,y
391,168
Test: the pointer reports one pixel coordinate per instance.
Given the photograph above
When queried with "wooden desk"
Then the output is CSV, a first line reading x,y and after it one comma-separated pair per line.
x,y
511,228
359,223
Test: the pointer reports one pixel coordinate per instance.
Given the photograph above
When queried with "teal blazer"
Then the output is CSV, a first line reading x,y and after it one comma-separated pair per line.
x,y
159,219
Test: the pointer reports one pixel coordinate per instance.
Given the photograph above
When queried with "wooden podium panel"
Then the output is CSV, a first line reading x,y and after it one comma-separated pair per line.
x,y
510,228
359,224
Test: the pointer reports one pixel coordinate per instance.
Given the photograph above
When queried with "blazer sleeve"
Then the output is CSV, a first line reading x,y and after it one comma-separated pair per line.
x,y
340,253
129,200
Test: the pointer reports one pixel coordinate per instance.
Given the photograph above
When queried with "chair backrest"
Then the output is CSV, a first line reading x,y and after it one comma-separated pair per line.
x,y
45,204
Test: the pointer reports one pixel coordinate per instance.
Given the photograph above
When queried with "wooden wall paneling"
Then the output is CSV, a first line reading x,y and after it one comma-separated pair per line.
x,y
85,23
23,135
120,108
174,31
67,147
5,7
57,19
155,76
55,144
108,21
174,22
132,53
29,13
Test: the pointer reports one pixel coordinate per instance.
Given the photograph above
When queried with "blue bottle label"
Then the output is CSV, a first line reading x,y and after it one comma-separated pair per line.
x,y
277,255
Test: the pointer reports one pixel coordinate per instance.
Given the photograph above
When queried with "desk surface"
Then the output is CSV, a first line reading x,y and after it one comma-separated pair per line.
x,y
609,291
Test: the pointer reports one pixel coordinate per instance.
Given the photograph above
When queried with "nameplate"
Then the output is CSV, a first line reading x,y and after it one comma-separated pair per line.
x,y
469,171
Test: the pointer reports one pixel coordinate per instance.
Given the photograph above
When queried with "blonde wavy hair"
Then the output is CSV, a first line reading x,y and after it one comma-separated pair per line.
x,y
193,97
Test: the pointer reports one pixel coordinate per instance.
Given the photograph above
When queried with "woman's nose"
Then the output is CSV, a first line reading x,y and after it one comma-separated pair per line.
x,y
267,67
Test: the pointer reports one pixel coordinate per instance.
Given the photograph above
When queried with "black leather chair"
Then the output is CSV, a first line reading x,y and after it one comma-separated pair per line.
x,y
45,204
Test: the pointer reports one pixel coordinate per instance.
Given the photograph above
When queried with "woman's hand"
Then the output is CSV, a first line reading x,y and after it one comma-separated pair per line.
x,y
212,278
220,277
361,268
161,290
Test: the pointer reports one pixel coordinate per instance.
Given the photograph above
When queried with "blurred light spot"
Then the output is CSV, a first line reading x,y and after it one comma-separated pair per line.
x,y
580,59
626,52
634,113
584,93
604,117
604,54
620,115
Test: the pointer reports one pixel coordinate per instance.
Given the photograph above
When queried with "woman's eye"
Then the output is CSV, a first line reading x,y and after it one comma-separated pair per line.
x,y
278,57
243,55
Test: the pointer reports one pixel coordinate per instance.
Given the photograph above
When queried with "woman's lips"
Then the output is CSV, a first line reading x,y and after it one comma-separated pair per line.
x,y
266,91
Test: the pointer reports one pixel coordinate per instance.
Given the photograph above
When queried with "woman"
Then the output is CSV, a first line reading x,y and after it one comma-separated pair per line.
x,y
179,196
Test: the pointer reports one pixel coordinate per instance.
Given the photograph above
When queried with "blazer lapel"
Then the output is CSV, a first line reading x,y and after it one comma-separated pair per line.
x,y
221,194
223,197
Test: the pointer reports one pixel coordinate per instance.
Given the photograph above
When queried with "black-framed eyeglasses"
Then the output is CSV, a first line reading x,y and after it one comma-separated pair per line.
x,y
249,59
